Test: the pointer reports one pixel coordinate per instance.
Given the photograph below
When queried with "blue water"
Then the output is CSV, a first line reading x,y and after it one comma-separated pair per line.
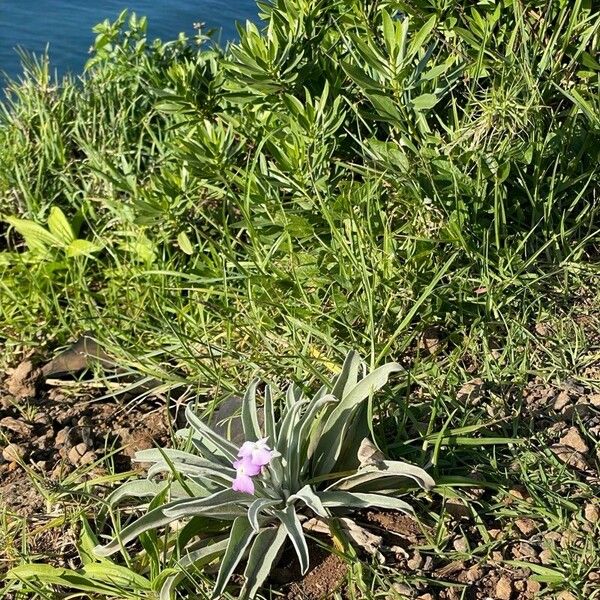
x,y
66,25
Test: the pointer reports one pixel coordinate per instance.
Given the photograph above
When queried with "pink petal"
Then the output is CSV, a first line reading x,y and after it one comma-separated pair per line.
x,y
246,449
261,457
243,483
246,466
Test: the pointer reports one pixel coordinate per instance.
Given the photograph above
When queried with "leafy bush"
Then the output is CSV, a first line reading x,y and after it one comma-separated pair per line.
x,y
321,467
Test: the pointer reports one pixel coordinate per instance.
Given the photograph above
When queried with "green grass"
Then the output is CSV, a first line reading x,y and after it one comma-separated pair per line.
x,y
336,180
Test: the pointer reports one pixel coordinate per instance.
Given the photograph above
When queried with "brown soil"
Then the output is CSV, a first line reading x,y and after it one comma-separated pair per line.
x,y
50,433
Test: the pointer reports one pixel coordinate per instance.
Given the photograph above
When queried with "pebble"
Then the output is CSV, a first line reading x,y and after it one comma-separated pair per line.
x,y
415,562
573,439
533,586
591,513
460,544
546,557
504,588
15,425
13,453
524,550
403,590
526,526
561,401
76,453
565,596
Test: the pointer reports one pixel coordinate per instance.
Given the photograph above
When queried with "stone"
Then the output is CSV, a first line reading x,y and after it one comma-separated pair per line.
x,y
456,508
19,427
533,587
524,550
504,588
561,401
13,453
573,439
591,513
76,453
474,574
526,526
571,457
416,562
88,458
401,590
565,596
22,382
545,557
460,544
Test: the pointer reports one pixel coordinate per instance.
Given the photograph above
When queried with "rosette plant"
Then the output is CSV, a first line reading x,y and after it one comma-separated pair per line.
x,y
303,459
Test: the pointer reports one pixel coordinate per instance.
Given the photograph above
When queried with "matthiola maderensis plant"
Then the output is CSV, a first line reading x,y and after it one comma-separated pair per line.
x,y
306,459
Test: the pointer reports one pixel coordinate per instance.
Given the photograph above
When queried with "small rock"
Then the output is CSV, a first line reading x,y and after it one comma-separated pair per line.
x,y
76,453
593,576
497,556
15,425
595,400
425,597
565,596
591,513
495,533
526,526
520,585
474,574
402,590
545,557
523,550
460,544
23,380
561,401
88,458
456,508
571,457
504,588
573,439
13,453
533,587
415,562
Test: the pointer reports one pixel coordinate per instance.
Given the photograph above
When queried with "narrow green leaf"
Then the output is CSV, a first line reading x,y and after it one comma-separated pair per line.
x,y
290,521
239,539
358,500
250,414
263,554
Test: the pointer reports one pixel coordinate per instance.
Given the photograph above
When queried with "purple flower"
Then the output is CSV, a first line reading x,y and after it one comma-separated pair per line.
x,y
245,470
252,457
257,452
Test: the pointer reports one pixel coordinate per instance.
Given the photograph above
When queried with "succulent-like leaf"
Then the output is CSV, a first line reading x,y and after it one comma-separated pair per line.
x,y
308,496
250,413
138,488
239,539
263,554
270,428
198,506
332,438
225,447
291,522
385,469
348,376
358,500
256,507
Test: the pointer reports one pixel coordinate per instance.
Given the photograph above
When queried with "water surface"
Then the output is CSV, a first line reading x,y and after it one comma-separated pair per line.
x,y
66,25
